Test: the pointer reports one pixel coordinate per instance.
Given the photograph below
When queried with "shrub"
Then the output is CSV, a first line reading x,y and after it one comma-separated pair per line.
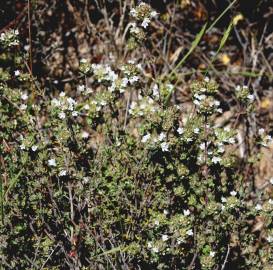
x,y
115,175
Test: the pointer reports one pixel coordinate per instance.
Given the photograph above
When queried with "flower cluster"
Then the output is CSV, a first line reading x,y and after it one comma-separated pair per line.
x,y
160,139
204,96
243,94
265,139
9,38
85,67
65,106
143,14
143,107
104,74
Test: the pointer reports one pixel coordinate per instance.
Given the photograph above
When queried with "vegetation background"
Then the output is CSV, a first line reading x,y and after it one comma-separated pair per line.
x,y
93,195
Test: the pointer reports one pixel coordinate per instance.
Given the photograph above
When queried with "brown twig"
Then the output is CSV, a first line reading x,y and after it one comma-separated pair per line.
x,y
13,23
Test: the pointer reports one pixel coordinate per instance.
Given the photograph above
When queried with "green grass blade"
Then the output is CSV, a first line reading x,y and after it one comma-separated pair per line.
x,y
193,46
222,43
225,37
221,15
1,201
13,182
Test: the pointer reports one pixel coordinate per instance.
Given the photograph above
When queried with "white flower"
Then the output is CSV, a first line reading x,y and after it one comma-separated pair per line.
x,y
180,130
269,239
89,90
86,107
251,97
83,61
258,207
23,107
63,173
166,212
165,237
270,201
155,249
202,146
186,212
55,102
212,253
206,79
124,82
61,115
145,23
155,91
81,88
261,131
162,136
85,135
238,88
133,12
149,245
231,140
133,79
180,240
196,130
103,103
170,87
271,180
233,193
24,96
145,138
75,113
17,72
62,94
156,222
52,162
22,146
216,160
153,14
196,102
224,200
217,103
189,232
164,147
85,180
34,148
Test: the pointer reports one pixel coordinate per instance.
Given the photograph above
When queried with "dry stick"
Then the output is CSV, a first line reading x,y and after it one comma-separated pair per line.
x,y
127,109
226,258
192,261
206,153
13,23
49,257
71,203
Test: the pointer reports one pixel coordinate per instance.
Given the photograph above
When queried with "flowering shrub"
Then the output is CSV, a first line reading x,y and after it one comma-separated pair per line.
x,y
115,175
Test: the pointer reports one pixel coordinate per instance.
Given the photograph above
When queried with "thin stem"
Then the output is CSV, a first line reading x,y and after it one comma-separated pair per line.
x,y
221,15
226,258
127,109
29,35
